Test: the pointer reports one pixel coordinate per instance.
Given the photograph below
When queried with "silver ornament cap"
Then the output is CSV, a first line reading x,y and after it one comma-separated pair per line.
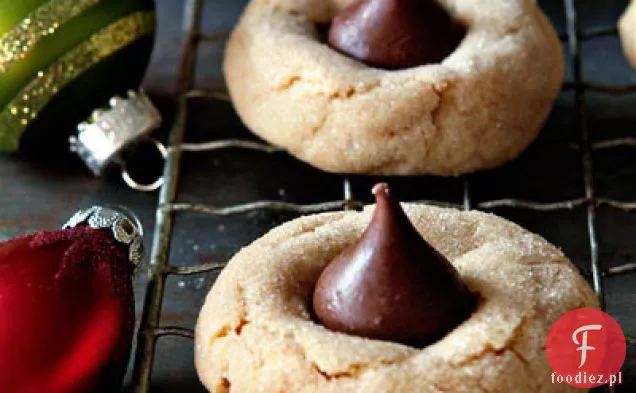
x,y
128,121
123,223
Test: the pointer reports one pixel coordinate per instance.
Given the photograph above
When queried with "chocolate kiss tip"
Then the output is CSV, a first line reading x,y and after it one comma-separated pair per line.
x,y
391,284
380,188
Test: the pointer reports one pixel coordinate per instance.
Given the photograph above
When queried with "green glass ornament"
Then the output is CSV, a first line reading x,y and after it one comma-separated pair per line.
x,y
61,59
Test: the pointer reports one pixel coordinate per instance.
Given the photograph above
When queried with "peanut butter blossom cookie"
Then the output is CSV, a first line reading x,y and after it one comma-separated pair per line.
x,y
61,59
396,298
398,87
627,31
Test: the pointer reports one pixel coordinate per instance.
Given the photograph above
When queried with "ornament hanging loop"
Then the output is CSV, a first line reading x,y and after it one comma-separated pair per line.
x,y
102,140
125,175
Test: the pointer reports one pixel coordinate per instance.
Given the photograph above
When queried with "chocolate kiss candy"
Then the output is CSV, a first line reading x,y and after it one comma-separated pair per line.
x,y
66,310
395,34
392,285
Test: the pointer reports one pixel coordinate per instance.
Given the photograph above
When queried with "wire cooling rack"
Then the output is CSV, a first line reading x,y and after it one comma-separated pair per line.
x,y
168,205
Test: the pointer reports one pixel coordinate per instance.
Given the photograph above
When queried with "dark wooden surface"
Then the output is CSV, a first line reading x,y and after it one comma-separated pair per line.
x,y
41,193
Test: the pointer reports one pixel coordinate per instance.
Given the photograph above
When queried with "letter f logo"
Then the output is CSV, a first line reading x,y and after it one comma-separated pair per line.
x,y
583,344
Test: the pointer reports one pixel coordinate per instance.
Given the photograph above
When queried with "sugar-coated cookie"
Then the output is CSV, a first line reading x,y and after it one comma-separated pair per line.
x,y
476,109
257,332
627,31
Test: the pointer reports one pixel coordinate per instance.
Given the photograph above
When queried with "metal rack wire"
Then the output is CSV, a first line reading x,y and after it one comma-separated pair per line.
x,y
160,268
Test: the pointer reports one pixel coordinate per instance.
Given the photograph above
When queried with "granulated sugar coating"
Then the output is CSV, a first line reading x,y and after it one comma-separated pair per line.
x,y
256,334
476,109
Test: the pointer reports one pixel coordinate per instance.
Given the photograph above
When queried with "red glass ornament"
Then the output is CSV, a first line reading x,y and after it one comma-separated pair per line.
x,y
66,312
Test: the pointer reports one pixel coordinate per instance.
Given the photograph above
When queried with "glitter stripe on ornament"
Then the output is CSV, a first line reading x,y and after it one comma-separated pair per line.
x,y
16,44
24,108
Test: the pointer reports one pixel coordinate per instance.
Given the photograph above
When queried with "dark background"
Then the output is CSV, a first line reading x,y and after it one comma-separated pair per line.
x,y
42,193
